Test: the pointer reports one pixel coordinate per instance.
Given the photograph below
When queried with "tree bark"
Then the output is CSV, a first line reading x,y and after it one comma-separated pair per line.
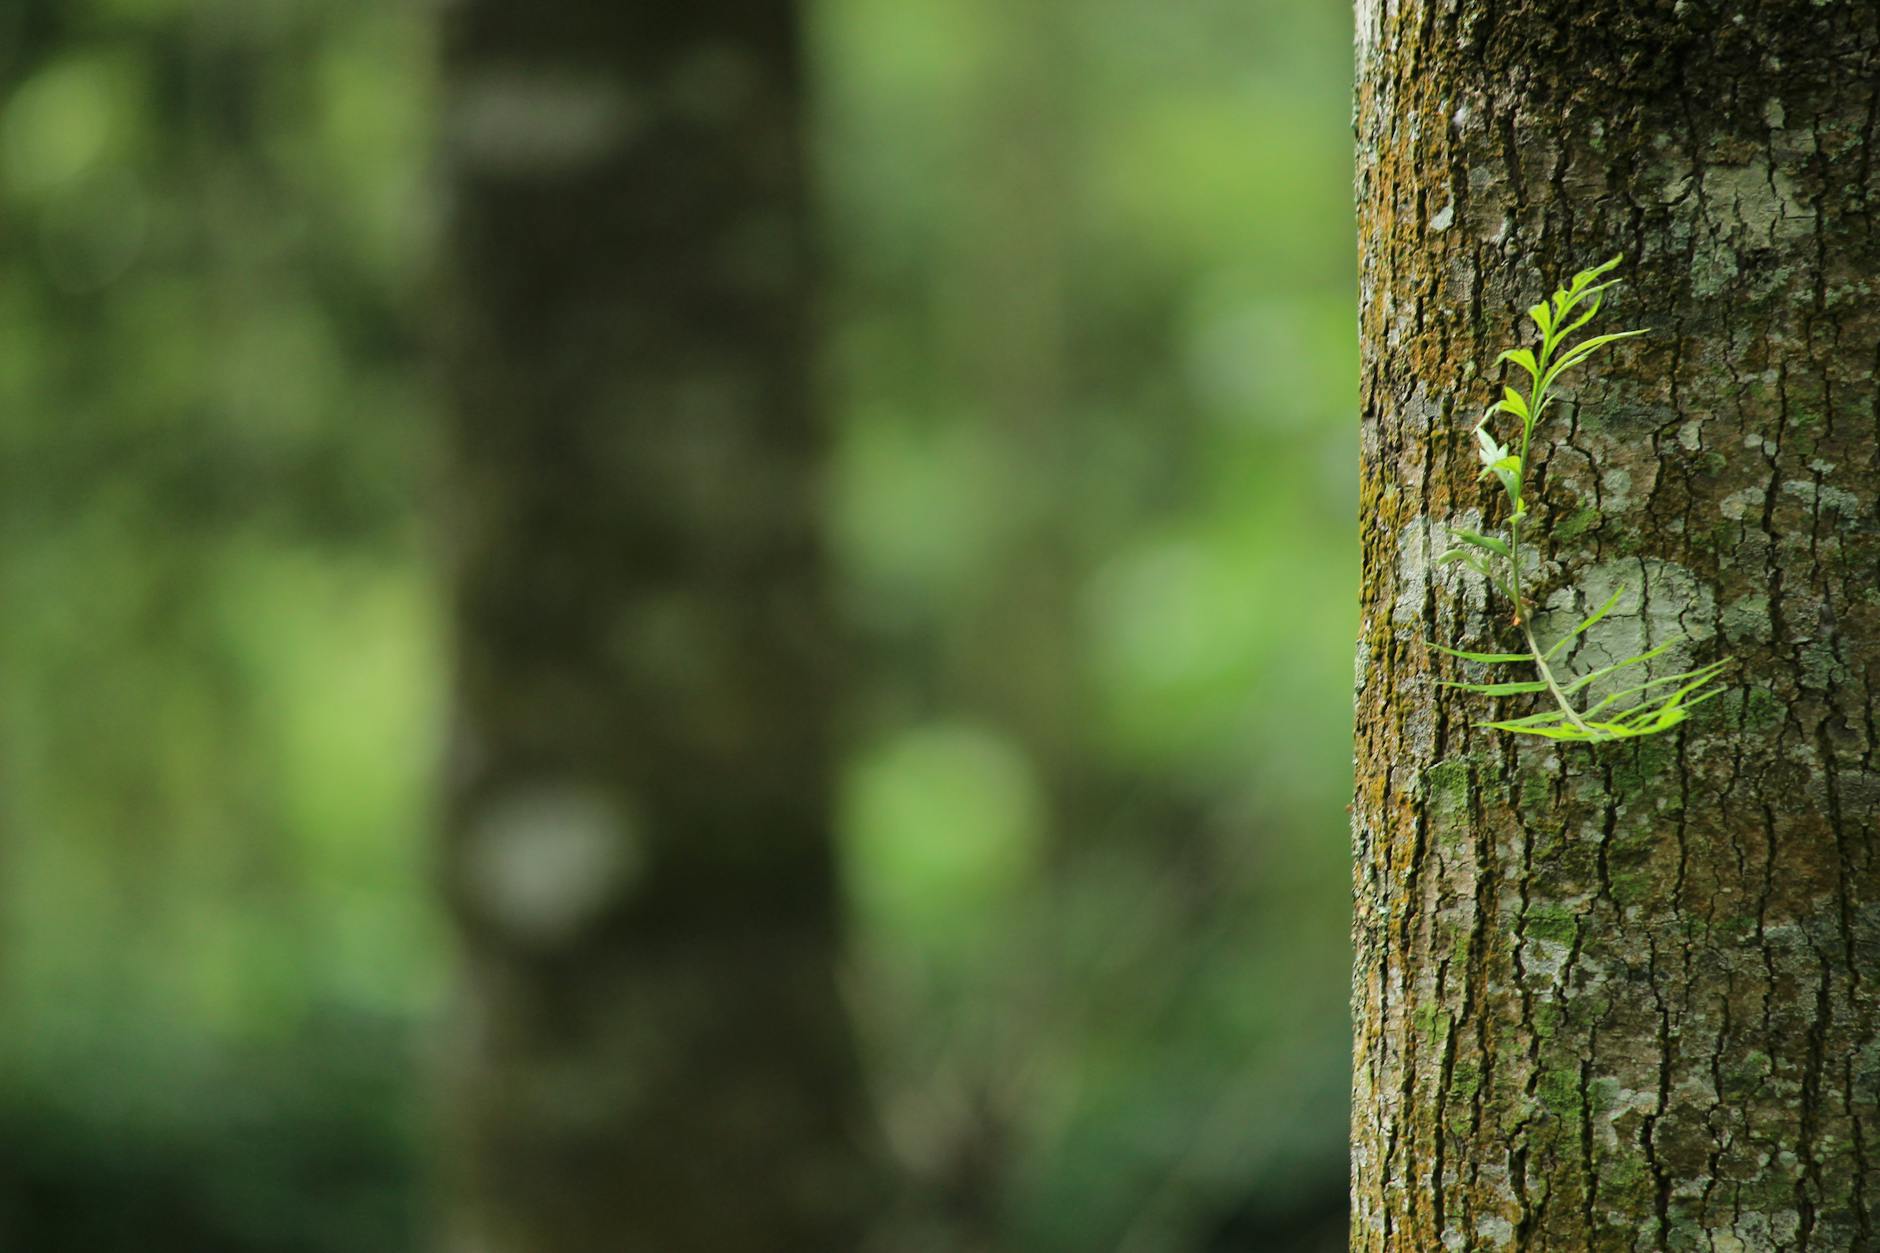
x,y
652,1053
1623,997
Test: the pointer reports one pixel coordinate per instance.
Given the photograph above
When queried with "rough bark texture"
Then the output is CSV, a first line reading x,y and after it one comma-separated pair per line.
x,y
1623,998
652,1052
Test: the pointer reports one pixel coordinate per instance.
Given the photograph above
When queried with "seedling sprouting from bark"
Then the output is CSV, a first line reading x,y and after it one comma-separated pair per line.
x,y
1644,709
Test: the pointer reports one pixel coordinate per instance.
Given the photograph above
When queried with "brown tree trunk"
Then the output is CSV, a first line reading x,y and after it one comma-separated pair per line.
x,y
1623,997
652,1055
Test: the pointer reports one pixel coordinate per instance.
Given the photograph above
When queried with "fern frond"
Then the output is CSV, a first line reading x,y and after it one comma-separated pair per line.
x,y
1651,709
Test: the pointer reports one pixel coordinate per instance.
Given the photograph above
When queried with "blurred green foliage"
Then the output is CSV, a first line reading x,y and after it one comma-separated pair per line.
x,y
1095,364
1091,374
219,652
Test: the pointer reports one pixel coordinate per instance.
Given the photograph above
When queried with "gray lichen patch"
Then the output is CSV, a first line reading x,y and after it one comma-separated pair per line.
x,y
1615,489
1660,603
1746,503
1846,508
523,122
1754,202
1747,618
544,861
1418,546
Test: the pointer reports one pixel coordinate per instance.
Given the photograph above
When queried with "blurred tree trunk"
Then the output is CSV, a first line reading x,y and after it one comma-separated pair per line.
x,y
1624,998
652,1053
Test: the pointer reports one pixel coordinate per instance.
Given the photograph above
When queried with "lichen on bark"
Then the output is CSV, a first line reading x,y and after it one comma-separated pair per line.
x,y
1622,997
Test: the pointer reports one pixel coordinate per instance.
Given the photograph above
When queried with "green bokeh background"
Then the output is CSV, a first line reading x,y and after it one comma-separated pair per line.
x,y
1090,371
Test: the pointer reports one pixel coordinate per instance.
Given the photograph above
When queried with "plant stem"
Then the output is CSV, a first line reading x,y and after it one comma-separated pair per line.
x,y
1521,615
1553,685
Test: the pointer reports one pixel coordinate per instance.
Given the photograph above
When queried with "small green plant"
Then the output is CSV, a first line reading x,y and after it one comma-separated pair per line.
x,y
1643,709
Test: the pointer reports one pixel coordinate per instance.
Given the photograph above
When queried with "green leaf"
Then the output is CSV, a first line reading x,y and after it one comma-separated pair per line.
x,y
1653,708
1615,731
1491,450
1653,718
1491,658
1483,541
1597,614
1582,283
1593,676
1499,689
1508,470
1585,277
1695,701
1552,733
1676,699
1591,311
1702,675
1568,298
1545,718
1581,351
1522,357
1470,558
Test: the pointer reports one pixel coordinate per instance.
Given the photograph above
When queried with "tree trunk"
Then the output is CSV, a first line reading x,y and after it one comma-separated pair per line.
x,y
1623,997
652,1053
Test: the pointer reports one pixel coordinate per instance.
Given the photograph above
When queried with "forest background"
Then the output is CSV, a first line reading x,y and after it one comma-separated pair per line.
x,y
1087,354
